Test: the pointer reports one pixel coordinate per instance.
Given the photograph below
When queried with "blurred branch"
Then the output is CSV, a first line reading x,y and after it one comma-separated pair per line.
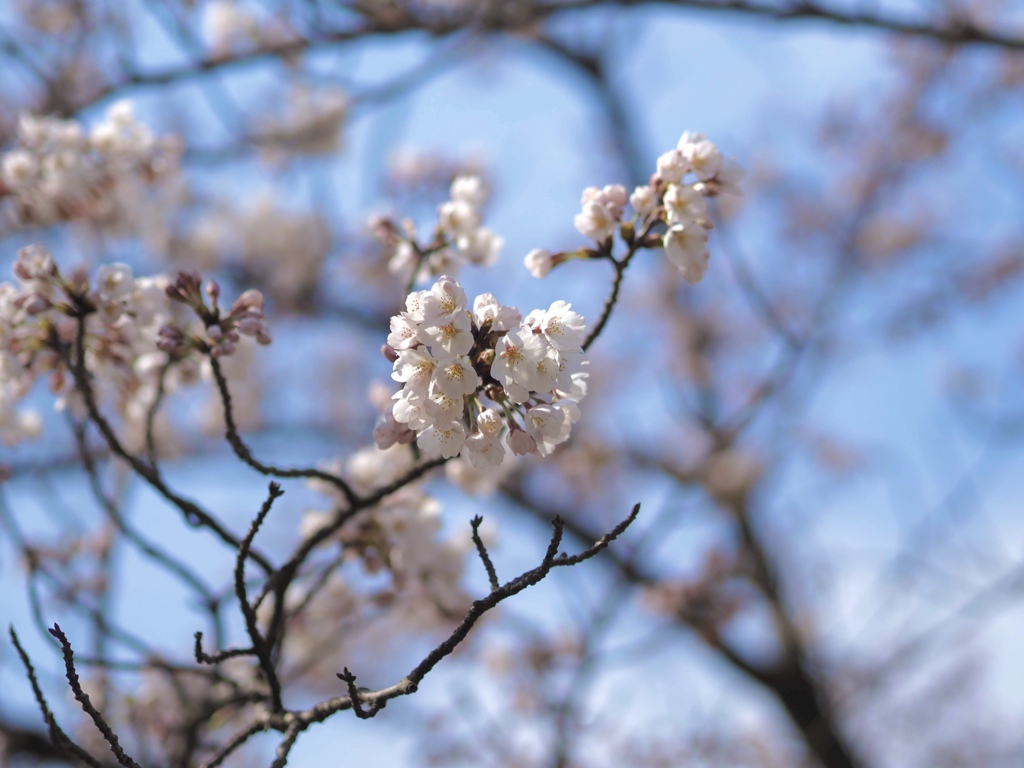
x,y
791,678
951,31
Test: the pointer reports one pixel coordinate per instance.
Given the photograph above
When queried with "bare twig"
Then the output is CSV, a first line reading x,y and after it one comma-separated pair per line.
x,y
492,575
60,739
87,706
259,644
243,452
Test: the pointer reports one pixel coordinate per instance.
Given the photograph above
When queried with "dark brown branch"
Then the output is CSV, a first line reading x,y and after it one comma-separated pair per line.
x,y
204,658
259,644
285,747
952,31
375,700
514,587
354,693
193,513
152,551
234,743
485,558
243,452
60,739
87,706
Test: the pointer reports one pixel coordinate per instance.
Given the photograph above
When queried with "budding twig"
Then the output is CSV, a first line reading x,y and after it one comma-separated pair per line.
x,y
60,739
87,706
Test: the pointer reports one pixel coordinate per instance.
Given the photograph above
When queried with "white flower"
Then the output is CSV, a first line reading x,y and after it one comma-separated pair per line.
x,y
481,247
457,217
414,305
703,156
672,166
538,262
451,333
443,300
446,440
483,450
572,415
404,332
470,190
544,422
415,368
614,197
686,247
114,282
726,180
34,263
455,377
684,205
595,222
225,26
562,327
489,422
515,362
520,443
19,169
389,431
409,409
442,408
643,200
487,309
404,260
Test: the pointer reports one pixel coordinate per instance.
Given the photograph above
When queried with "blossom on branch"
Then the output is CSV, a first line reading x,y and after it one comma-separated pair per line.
x,y
671,212
455,364
458,237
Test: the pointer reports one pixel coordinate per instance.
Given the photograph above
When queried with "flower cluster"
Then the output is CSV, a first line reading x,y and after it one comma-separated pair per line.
x,y
39,316
136,342
402,536
458,238
59,172
670,199
452,360
221,332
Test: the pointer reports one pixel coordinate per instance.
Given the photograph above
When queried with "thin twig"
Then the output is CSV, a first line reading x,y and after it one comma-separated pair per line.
x,y
57,735
243,452
87,706
260,645
492,575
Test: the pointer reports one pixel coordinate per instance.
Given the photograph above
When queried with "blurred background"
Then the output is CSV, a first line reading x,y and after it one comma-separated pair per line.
x,y
825,434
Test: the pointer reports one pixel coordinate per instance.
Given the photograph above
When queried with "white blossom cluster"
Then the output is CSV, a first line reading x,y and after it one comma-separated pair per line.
x,y
459,236
60,172
133,331
675,197
452,360
120,340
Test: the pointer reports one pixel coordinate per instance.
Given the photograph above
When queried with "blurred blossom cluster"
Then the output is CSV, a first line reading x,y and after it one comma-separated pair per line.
x,y
139,338
231,27
459,236
400,536
311,125
413,172
60,172
452,360
281,250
